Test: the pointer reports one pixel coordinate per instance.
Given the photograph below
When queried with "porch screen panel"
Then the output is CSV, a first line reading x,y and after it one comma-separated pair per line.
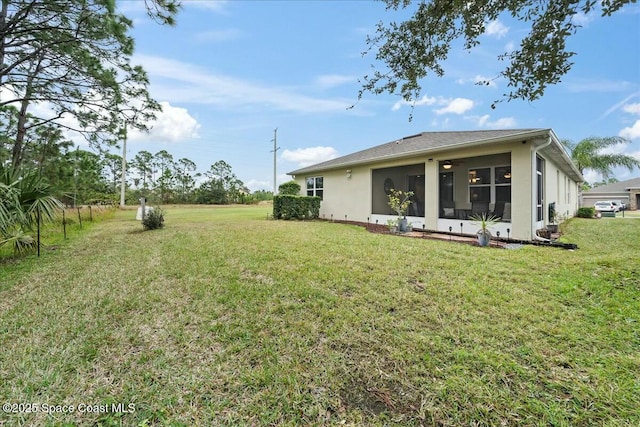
x,y
404,178
446,187
503,183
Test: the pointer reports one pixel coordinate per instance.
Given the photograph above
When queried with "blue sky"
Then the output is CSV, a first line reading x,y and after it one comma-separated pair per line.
x,y
230,72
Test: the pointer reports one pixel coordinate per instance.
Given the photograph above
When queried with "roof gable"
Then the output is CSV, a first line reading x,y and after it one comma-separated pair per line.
x,y
616,187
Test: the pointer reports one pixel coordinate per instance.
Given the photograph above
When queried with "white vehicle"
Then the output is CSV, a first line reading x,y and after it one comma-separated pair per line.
x,y
621,206
606,206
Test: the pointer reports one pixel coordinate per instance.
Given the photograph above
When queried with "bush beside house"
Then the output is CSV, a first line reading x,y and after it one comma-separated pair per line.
x,y
286,206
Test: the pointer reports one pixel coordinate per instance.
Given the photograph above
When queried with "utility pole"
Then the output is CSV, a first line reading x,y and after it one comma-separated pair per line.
x,y
275,149
124,167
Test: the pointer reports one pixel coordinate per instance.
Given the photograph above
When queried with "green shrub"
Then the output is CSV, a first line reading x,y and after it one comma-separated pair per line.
x,y
586,212
290,188
154,219
296,207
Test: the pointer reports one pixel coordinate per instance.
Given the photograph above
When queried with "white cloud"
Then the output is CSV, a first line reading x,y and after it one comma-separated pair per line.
x,y
456,106
482,120
632,132
173,124
619,104
255,185
602,85
504,123
425,100
510,47
332,80
214,5
181,82
496,28
592,176
486,81
309,156
501,123
631,108
583,19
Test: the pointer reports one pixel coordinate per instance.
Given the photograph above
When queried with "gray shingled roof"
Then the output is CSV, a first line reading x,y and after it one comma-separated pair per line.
x,y
616,187
419,144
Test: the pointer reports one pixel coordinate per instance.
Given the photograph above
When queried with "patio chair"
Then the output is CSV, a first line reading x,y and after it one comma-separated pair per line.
x,y
479,208
448,209
498,210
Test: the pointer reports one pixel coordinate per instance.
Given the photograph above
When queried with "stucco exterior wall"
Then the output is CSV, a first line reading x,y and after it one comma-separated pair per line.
x,y
522,186
344,195
559,189
350,193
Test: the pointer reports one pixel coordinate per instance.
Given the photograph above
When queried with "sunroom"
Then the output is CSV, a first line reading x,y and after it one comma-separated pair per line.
x,y
475,186
465,187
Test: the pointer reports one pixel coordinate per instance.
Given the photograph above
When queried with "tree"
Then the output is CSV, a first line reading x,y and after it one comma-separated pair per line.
x,y
420,44
222,185
42,146
184,169
81,179
587,154
75,56
143,164
164,161
113,170
290,187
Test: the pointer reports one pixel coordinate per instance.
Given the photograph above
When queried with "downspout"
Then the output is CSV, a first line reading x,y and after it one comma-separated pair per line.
x,y
534,194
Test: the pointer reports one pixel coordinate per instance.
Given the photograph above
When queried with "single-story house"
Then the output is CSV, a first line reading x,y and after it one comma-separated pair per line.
x,y
628,192
514,174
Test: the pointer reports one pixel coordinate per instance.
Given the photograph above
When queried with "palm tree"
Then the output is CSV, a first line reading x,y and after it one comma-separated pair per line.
x,y
588,154
24,199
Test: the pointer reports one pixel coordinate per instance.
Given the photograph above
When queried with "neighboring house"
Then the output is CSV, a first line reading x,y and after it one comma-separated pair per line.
x,y
628,192
516,174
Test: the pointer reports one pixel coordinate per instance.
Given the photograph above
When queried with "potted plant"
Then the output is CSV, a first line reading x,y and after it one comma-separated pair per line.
x,y
553,219
399,201
393,225
485,221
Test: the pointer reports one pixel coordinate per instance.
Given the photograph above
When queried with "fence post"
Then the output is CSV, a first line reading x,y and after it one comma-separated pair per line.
x,y
64,225
80,218
38,219
90,214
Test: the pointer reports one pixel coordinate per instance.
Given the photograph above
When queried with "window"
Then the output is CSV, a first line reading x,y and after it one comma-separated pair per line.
x,y
540,189
503,183
490,184
315,186
480,185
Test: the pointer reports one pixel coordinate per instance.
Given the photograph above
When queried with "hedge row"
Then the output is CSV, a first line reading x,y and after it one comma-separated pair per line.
x,y
296,207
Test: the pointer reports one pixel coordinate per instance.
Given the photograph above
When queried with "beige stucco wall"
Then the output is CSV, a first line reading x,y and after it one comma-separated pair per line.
x,y
522,182
344,195
352,196
559,188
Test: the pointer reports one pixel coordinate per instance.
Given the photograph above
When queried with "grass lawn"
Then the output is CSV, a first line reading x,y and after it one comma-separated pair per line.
x,y
226,318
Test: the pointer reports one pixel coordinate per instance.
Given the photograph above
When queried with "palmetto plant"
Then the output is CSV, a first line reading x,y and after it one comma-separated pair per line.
x,y
485,221
24,198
